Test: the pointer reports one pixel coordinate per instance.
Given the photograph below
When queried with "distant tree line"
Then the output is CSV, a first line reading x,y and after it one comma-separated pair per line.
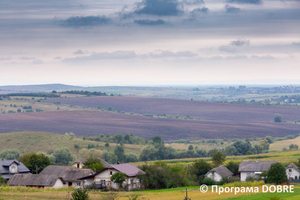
x,y
118,138
30,95
87,93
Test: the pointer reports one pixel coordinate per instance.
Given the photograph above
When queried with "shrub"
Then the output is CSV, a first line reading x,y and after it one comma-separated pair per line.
x,y
277,118
80,194
209,181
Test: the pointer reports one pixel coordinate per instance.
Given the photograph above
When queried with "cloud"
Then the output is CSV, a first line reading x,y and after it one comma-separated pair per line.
x,y
245,1
79,52
147,22
199,10
266,57
4,58
296,43
117,55
37,62
193,2
57,58
169,54
159,8
27,58
232,9
239,43
229,49
85,21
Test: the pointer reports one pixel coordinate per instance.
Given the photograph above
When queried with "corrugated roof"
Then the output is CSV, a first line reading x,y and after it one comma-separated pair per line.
x,y
255,166
222,170
292,165
70,174
32,180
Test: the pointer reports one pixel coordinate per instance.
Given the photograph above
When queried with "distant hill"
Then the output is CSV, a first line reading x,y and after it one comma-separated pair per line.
x,y
39,88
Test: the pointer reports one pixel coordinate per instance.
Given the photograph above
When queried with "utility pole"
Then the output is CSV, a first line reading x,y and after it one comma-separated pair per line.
x,y
186,195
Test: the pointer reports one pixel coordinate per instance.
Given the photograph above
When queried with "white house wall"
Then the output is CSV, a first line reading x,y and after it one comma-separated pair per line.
x,y
214,176
59,184
293,174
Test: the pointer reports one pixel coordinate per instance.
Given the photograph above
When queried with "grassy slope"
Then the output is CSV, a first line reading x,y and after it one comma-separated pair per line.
x,y
27,142
279,145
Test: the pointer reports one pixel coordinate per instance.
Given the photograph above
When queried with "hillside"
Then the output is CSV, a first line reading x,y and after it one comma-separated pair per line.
x,y
29,141
101,122
203,110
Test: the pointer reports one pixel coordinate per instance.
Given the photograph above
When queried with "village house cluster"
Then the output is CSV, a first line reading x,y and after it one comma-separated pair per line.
x,y
75,175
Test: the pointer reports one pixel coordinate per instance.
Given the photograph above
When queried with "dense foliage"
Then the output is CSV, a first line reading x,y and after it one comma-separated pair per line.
x,y
35,161
62,156
94,164
88,93
9,154
277,173
80,194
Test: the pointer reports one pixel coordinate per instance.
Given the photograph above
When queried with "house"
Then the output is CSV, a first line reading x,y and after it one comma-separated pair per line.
x,y
69,175
79,163
218,173
293,172
10,167
36,180
102,178
253,168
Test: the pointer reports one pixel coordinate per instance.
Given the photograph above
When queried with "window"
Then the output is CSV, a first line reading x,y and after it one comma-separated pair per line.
x,y
78,165
110,172
248,174
290,170
131,181
296,177
102,182
69,183
13,169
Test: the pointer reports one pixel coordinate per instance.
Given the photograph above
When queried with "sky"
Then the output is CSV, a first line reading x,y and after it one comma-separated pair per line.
x,y
149,42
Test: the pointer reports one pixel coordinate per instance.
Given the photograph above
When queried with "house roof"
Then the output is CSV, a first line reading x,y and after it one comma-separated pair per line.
x,y
126,168
67,173
222,170
292,165
33,180
82,160
255,166
4,168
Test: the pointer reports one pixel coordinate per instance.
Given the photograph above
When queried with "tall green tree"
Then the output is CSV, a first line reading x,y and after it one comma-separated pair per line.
x,y
218,158
62,155
277,118
119,152
200,168
277,173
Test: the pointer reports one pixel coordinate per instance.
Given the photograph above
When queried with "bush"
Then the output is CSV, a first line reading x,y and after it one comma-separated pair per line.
x,y
208,181
277,118
80,194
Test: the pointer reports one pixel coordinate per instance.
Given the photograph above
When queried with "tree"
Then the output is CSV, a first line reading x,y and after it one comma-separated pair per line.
x,y
218,158
200,168
62,155
131,158
191,148
94,164
277,173
3,181
118,178
33,160
89,153
156,139
242,147
148,153
107,144
230,150
277,118
119,152
233,167
9,154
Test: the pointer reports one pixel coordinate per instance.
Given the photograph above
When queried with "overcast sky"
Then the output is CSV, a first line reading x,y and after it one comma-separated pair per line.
x,y
149,42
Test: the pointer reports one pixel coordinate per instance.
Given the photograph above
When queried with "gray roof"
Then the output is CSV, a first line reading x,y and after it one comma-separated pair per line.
x,y
4,168
67,173
292,165
255,166
33,180
126,168
222,170
82,160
